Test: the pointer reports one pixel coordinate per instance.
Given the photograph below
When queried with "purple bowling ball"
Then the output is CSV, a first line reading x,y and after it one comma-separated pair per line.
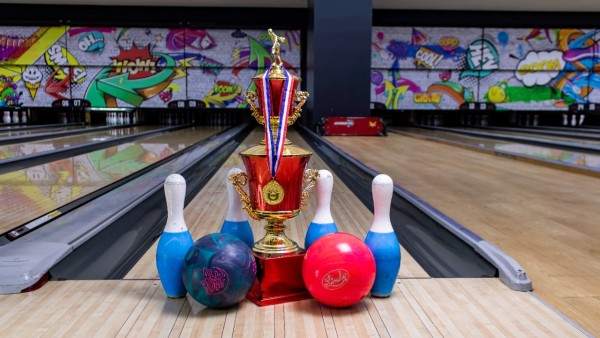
x,y
219,270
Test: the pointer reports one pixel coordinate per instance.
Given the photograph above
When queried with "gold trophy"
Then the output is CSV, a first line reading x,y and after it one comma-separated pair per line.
x,y
275,172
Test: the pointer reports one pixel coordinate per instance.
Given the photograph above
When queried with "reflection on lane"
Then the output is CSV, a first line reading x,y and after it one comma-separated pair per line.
x,y
29,193
580,159
35,147
16,132
544,153
559,138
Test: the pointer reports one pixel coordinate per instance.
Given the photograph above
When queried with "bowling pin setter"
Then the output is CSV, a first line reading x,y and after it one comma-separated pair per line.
x,y
382,239
175,241
322,223
236,221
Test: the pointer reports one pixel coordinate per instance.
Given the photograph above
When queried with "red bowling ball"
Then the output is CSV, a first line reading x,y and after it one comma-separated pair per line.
x,y
338,269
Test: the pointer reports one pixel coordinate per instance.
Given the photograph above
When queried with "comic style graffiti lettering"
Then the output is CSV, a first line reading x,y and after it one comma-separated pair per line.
x,y
427,98
134,66
223,94
93,41
539,68
58,57
427,58
482,59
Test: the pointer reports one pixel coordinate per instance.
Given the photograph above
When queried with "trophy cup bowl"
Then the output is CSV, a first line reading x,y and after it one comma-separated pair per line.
x,y
273,201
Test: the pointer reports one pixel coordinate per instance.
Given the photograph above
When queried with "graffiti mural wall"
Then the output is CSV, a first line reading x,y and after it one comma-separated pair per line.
x,y
516,69
135,67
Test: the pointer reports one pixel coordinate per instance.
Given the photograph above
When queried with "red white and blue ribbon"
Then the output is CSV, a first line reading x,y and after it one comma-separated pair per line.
x,y
275,143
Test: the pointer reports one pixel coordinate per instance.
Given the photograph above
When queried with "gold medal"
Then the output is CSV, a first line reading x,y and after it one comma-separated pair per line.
x,y
273,193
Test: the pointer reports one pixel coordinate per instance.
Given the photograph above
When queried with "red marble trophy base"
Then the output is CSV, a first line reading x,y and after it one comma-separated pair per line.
x,y
278,280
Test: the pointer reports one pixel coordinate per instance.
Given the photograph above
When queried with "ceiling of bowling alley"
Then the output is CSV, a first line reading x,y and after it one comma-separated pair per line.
x,y
484,5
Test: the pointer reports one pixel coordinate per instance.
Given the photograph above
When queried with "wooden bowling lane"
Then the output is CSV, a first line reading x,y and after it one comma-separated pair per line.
x,y
30,193
138,307
578,162
564,137
543,217
417,308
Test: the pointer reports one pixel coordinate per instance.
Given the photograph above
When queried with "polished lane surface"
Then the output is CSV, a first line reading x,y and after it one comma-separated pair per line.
x,y
30,193
567,137
16,132
543,217
579,159
50,144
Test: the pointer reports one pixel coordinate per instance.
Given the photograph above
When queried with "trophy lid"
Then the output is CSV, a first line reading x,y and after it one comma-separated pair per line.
x,y
288,150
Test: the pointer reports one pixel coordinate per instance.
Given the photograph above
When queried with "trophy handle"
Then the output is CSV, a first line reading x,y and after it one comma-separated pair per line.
x,y
238,181
250,96
300,97
310,177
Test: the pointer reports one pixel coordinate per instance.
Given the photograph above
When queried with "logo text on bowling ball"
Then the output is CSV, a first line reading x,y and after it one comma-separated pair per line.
x,y
214,280
335,279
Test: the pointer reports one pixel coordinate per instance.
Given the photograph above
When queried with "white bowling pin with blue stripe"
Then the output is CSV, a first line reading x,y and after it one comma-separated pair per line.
x,y
322,223
236,222
382,239
175,241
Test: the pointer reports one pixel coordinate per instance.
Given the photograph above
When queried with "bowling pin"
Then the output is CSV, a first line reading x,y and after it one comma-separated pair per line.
x,y
15,118
6,118
565,120
573,120
24,117
236,222
581,118
382,239
175,241
322,223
